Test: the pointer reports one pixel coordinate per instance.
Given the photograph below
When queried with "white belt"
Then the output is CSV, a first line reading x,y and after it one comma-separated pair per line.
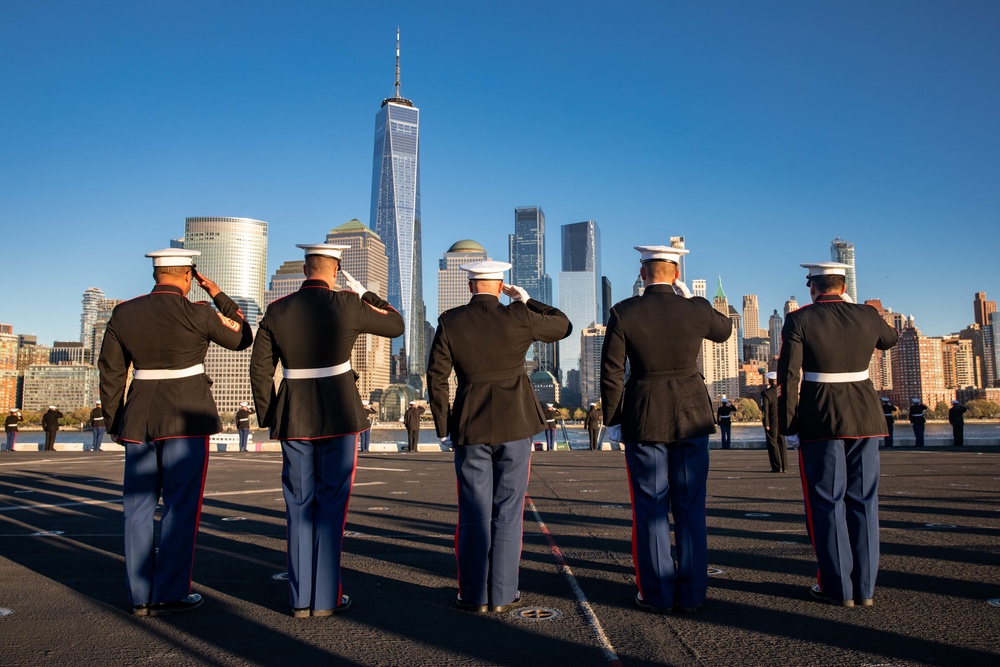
x,y
809,376
167,374
313,373
917,414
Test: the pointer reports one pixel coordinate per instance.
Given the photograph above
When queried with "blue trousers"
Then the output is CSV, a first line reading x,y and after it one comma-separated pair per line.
x,y
492,483
918,434
11,438
550,439
244,436
174,468
365,439
840,486
98,437
726,429
665,479
888,431
316,479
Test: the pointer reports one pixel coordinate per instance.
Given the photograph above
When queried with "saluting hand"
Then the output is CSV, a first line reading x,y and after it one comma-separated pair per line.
x,y
353,284
516,293
207,285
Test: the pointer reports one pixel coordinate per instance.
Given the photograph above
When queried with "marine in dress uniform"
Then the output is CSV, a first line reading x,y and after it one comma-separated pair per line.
x,y
494,417
551,420
776,450
50,424
956,417
889,410
165,422
411,420
97,426
828,404
725,421
317,414
594,423
365,439
243,424
10,426
917,418
665,416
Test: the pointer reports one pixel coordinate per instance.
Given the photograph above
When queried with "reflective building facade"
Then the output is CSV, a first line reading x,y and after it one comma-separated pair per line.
x,y
527,259
579,294
395,213
843,251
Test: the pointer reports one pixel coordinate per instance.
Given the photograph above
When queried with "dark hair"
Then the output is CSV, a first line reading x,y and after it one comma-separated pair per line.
x,y
827,283
319,262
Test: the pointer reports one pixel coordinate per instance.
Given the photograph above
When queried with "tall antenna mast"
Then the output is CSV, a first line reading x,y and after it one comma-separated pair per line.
x,y
397,61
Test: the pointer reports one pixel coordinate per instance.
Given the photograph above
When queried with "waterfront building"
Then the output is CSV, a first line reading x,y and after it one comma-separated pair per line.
x,y
579,295
918,370
286,280
982,349
8,367
958,363
395,212
843,251
880,366
751,375
546,387
591,343
234,255
527,259
101,318
751,317
68,387
92,298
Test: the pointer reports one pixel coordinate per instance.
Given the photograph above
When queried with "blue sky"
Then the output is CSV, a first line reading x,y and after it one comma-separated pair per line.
x,y
757,130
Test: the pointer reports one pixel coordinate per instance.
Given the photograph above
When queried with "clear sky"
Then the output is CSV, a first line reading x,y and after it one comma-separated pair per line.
x,y
758,130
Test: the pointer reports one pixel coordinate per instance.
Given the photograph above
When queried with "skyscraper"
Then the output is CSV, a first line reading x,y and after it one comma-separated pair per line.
x,y
92,298
918,369
366,261
286,280
395,212
591,344
527,259
751,316
678,242
774,325
719,361
983,308
234,255
843,251
579,294
791,305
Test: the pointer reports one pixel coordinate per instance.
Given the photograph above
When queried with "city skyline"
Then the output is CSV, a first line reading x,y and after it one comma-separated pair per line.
x,y
776,128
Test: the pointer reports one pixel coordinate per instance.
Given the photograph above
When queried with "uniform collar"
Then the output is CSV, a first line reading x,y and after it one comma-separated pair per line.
x,y
160,288
829,298
659,287
314,283
483,297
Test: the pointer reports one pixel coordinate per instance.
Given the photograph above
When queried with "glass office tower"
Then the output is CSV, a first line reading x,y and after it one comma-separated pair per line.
x,y
579,293
843,251
527,259
395,214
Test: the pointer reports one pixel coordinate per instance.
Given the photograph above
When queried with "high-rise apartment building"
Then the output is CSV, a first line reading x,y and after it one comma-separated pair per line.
x,y
67,387
982,309
591,343
579,294
737,320
880,366
918,369
69,352
958,363
8,367
366,261
527,260
699,287
92,298
395,212
234,255
843,251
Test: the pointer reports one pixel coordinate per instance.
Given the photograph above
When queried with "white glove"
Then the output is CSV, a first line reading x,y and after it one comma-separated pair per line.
x,y
792,441
516,293
446,441
353,284
847,297
680,289
615,433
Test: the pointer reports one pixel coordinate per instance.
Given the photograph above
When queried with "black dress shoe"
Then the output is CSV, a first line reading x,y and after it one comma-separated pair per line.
x,y
192,601
499,608
817,594
471,608
687,609
345,604
642,604
140,610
